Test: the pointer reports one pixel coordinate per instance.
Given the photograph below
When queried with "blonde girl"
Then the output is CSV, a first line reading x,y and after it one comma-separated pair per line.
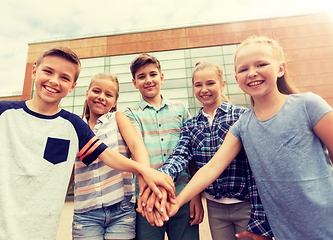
x,y
230,194
286,137
104,202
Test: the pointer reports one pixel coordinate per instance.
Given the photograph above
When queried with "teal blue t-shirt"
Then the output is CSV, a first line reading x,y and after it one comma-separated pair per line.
x,y
293,173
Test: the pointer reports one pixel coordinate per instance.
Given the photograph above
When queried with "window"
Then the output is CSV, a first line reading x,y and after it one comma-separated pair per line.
x,y
177,66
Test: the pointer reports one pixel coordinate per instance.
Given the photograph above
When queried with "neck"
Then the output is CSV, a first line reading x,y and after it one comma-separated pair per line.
x,y
154,101
210,109
266,107
92,120
40,107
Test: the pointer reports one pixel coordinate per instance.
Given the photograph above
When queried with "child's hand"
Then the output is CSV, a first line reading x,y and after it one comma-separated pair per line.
x,y
159,204
142,201
252,235
173,208
154,177
196,210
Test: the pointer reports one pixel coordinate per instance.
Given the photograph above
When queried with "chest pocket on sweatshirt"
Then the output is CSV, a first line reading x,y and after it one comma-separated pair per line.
x,y
56,150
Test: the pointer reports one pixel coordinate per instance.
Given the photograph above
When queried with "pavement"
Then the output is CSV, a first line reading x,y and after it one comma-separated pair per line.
x,y
65,225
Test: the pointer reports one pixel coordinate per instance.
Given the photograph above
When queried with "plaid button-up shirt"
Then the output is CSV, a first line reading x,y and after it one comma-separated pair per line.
x,y
201,141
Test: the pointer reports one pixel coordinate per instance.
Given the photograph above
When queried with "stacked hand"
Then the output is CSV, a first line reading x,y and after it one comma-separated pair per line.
x,y
158,210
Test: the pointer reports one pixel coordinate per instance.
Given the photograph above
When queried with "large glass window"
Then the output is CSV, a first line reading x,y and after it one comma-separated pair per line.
x,y
177,66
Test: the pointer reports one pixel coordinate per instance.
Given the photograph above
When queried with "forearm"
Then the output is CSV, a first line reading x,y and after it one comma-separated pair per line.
x,y
117,161
207,174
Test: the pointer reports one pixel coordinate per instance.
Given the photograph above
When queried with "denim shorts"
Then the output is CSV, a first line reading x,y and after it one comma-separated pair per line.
x,y
114,222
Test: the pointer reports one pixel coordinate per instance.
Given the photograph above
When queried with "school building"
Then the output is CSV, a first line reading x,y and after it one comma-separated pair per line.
x,y
306,39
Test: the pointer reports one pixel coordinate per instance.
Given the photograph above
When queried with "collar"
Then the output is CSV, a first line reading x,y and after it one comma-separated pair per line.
x,y
99,120
144,104
224,107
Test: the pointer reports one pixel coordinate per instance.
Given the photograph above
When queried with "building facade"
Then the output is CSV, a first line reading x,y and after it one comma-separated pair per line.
x,y
306,39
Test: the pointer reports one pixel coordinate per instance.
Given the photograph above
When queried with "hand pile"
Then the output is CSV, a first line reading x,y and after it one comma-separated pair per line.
x,y
158,210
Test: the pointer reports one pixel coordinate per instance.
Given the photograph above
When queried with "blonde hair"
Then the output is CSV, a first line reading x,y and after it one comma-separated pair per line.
x,y
283,83
107,77
63,52
219,72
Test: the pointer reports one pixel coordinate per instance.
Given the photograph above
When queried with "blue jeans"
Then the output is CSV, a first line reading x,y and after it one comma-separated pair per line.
x,y
114,222
177,228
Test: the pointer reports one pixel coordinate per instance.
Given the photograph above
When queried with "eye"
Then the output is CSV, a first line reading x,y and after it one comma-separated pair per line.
x,y
109,95
242,70
197,85
95,91
47,71
262,65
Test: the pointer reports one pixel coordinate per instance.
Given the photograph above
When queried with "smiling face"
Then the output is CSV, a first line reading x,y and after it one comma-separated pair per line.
x,y
54,79
208,88
257,70
148,80
101,96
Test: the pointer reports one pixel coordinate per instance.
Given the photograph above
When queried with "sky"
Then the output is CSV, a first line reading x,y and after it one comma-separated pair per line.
x,y
23,22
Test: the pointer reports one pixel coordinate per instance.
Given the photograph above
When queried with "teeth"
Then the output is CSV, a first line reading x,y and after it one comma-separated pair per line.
x,y
205,96
255,83
50,89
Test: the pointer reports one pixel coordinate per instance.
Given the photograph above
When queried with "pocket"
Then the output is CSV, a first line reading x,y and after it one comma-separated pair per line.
x,y
126,204
56,150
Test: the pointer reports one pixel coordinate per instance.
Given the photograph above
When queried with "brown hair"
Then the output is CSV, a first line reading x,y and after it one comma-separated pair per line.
x,y
106,77
219,72
283,83
64,52
142,60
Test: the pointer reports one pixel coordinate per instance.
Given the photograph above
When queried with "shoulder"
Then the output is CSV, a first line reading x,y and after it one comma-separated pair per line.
x,y
238,109
133,110
310,100
6,105
177,104
74,119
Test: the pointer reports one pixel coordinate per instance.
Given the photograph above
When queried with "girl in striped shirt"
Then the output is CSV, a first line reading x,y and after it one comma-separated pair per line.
x,y
104,197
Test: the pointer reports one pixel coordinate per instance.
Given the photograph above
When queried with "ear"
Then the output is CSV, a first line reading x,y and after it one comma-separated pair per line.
x,y
34,70
282,69
72,87
162,78
236,78
134,83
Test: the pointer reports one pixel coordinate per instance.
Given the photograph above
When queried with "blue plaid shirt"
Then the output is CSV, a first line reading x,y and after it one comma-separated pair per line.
x,y
201,141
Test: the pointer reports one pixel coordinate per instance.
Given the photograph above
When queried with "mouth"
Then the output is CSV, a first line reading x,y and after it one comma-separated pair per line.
x,y
205,96
51,90
255,83
99,104
150,87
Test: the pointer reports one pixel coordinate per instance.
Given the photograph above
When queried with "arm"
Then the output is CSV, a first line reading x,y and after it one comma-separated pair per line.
x,y
207,174
151,176
324,130
133,139
196,209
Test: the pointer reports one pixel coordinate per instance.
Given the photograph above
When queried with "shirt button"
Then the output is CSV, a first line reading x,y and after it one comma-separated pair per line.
x,y
159,125
164,154
162,139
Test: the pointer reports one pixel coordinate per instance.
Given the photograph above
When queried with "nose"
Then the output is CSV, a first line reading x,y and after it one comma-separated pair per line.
x,y
101,96
148,80
252,73
54,80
